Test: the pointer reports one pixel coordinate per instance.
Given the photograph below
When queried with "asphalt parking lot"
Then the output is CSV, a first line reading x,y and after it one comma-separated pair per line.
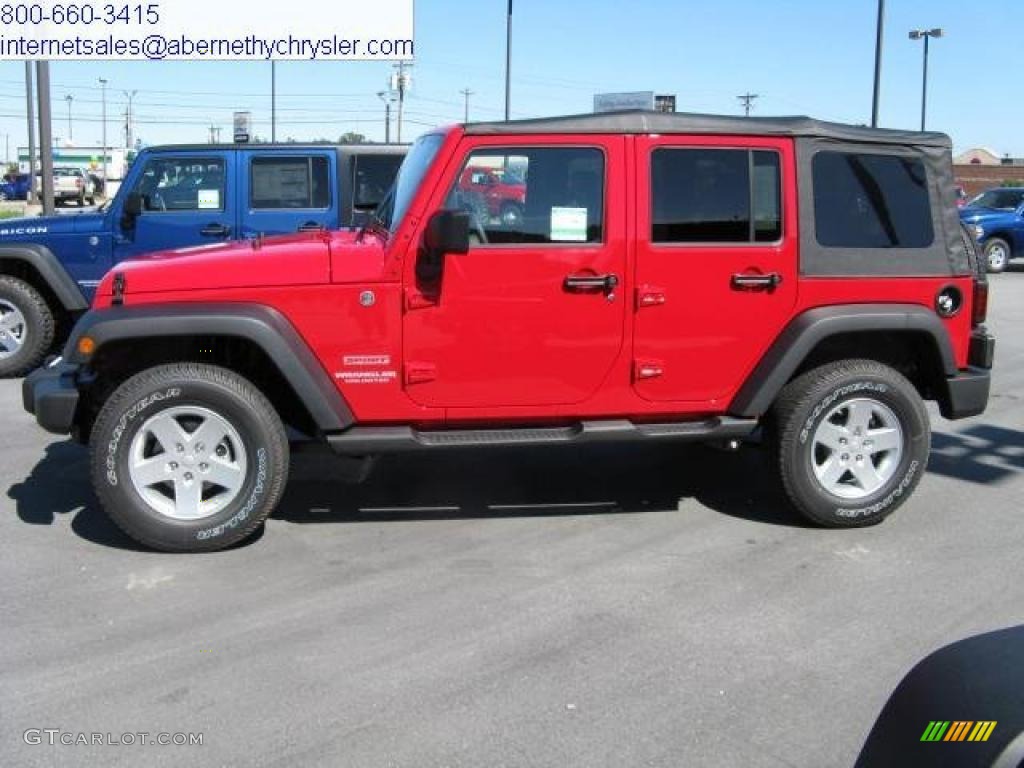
x,y
452,612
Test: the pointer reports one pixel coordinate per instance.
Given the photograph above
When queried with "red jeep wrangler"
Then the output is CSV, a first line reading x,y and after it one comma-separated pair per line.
x,y
671,277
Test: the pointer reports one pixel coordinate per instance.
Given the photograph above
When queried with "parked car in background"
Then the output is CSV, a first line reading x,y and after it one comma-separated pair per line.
x,y
497,193
70,183
14,187
175,197
996,217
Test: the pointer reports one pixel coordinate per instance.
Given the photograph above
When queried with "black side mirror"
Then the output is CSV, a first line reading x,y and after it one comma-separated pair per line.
x,y
131,211
446,232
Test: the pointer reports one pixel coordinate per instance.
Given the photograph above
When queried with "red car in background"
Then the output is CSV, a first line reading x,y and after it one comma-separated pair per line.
x,y
494,192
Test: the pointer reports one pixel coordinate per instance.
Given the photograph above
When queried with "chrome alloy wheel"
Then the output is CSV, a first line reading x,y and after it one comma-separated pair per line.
x,y
857,448
997,257
13,330
187,462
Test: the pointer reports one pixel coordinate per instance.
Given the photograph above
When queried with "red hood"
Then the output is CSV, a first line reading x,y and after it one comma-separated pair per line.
x,y
285,260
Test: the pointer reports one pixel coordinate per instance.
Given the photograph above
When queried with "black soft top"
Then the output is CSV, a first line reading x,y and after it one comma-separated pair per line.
x,y
642,121
946,255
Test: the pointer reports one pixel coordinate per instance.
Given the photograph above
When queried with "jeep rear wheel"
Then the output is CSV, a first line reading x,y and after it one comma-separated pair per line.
x,y
997,254
188,457
853,442
26,327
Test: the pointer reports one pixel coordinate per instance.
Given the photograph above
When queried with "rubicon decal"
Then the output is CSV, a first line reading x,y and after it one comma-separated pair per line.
x,y
24,231
958,730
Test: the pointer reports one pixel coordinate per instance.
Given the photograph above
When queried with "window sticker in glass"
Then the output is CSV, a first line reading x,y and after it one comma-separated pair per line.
x,y
290,183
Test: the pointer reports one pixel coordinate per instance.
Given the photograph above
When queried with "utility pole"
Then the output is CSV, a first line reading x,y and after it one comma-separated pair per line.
x,y
128,119
466,93
748,102
508,62
71,131
401,84
103,85
45,134
273,101
30,111
879,31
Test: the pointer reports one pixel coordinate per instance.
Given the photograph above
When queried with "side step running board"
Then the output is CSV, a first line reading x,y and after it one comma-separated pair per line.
x,y
360,441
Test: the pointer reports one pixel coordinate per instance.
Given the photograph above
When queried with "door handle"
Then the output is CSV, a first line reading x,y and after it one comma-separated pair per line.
x,y
215,230
591,283
755,282
311,226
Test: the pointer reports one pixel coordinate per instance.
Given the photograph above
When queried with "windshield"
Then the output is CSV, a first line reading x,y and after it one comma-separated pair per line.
x,y
1001,199
393,209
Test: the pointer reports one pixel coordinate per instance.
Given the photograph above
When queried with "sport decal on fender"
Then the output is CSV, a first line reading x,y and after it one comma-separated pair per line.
x,y
367,369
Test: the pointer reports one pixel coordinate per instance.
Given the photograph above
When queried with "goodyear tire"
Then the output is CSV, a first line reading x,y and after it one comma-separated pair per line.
x,y
852,442
188,457
26,327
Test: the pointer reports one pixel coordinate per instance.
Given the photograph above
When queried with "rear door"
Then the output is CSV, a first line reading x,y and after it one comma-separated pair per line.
x,y
186,201
533,314
716,268
286,191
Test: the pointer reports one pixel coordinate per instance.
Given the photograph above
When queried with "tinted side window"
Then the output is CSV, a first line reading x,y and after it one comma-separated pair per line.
x,y
182,184
372,178
715,196
871,201
533,195
290,182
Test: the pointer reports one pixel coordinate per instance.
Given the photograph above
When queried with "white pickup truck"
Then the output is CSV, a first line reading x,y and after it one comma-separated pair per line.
x,y
73,184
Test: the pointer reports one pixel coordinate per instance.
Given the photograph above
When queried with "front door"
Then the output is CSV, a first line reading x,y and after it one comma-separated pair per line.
x,y
716,269
186,202
533,314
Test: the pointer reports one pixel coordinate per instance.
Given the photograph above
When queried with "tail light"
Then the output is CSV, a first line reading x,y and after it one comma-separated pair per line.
x,y
79,183
979,302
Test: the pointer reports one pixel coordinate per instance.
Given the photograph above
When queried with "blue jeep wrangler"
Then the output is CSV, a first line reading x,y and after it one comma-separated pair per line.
x,y
175,197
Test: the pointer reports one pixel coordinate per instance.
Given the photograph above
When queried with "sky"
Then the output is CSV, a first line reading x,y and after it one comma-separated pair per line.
x,y
813,57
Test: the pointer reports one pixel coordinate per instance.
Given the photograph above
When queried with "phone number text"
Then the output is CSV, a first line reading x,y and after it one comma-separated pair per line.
x,y
81,14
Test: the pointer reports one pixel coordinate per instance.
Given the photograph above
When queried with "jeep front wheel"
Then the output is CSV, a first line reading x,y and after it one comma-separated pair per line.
x,y
26,327
853,442
188,457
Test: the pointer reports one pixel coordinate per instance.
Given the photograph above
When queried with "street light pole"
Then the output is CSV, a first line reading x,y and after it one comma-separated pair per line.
x,y
103,85
466,93
385,96
927,34
71,132
508,62
273,101
128,120
879,32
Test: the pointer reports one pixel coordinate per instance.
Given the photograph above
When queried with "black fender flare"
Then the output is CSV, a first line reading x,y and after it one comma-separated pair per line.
x,y
799,338
50,271
264,326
